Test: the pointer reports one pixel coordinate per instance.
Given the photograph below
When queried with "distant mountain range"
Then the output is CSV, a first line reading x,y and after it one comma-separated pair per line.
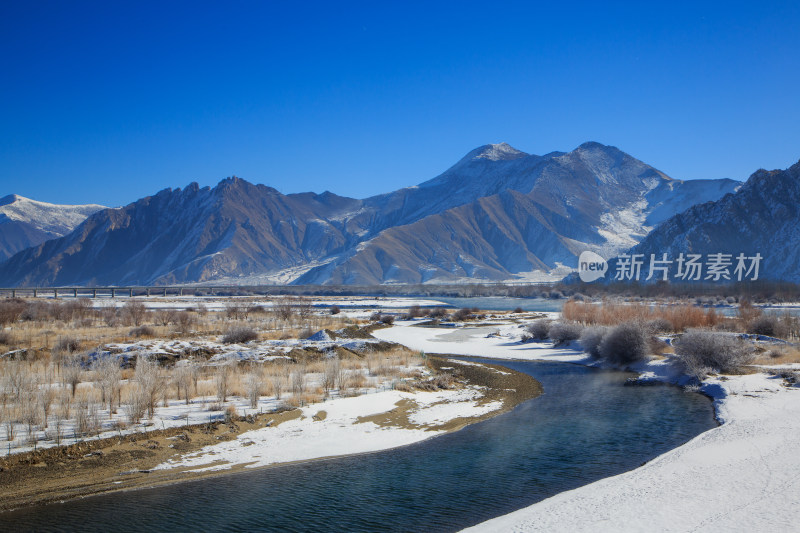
x,y
500,213
25,222
762,217
497,214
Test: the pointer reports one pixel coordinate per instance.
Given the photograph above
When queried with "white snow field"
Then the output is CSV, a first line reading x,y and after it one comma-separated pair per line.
x,y
339,431
741,476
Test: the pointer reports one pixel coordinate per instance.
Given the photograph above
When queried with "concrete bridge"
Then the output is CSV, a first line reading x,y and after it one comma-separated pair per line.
x,y
257,290
113,292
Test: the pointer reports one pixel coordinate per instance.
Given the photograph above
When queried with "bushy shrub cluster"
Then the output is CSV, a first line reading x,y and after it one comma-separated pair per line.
x,y
416,311
625,344
462,314
536,330
66,345
382,318
769,325
564,332
438,313
590,339
142,331
702,352
6,338
239,335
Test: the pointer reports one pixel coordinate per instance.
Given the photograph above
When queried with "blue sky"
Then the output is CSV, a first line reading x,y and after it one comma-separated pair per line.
x,y
107,102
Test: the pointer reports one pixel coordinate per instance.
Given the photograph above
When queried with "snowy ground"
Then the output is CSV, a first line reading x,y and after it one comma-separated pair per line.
x,y
742,476
339,431
261,350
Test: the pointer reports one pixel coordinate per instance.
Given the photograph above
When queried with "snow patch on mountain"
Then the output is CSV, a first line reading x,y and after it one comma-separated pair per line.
x,y
623,229
499,152
55,219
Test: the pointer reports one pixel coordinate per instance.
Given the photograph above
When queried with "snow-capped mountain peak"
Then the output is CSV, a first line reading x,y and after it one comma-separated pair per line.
x,y
497,152
25,222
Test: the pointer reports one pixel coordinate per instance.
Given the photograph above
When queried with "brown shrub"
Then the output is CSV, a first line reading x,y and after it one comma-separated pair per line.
x,y
680,316
239,335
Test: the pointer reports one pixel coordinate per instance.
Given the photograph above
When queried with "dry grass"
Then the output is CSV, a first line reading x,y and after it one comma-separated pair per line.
x,y
679,316
51,335
780,355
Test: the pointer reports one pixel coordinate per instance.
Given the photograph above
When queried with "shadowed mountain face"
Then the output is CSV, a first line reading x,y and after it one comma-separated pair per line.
x,y
495,214
25,222
763,217
187,235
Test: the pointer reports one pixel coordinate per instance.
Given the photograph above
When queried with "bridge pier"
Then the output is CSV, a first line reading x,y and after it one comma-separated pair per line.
x,y
130,293
75,293
35,293
181,291
113,293
94,293
147,291
13,293
55,293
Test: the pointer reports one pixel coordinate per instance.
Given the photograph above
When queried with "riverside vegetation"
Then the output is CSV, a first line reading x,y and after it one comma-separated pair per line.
x,y
70,371
702,340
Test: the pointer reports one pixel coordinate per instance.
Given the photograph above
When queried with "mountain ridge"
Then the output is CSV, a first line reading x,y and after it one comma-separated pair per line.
x,y
763,216
495,213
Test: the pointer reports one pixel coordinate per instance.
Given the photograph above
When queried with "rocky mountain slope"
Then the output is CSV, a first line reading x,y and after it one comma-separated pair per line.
x,y
188,235
498,213
762,217
25,222
536,213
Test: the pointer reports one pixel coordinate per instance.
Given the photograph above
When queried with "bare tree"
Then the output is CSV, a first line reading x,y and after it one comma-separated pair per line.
x,y
165,317
222,381
7,419
195,373
253,382
30,414
71,372
136,406
183,379
148,376
135,311
44,400
329,374
60,414
108,375
236,311
284,310
304,309
279,379
184,321
299,382
16,379
342,376
110,316
87,420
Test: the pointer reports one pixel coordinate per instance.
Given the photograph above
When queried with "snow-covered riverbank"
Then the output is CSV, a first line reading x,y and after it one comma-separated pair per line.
x,y
343,426
741,476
